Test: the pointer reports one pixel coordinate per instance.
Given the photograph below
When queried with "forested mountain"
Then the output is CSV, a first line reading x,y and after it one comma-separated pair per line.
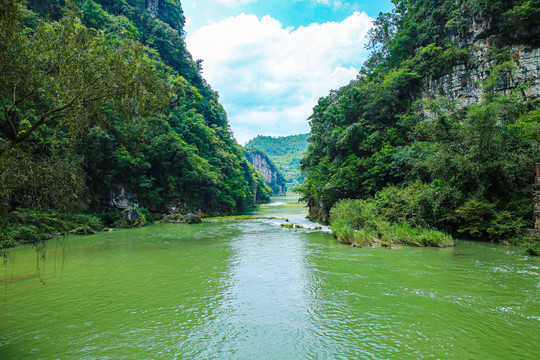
x,y
102,105
263,164
285,152
441,128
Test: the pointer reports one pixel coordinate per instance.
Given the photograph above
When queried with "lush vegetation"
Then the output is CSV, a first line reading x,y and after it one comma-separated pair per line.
x,y
363,223
285,152
101,99
428,162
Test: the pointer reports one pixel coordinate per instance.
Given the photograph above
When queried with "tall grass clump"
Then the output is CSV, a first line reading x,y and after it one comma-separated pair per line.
x,y
360,223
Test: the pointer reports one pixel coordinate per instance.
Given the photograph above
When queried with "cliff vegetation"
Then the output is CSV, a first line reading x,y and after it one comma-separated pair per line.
x,y
441,129
285,152
102,107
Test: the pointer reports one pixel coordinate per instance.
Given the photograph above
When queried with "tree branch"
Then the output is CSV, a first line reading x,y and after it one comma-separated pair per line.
x,y
7,116
36,84
41,121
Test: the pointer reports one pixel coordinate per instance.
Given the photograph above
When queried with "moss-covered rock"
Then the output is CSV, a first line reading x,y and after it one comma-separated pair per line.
x,y
182,219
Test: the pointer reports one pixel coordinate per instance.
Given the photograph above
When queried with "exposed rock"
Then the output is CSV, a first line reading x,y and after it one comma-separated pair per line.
x,y
263,164
192,219
152,7
463,83
133,216
83,230
123,199
182,219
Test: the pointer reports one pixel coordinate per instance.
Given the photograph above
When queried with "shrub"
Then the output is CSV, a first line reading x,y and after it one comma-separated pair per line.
x,y
357,222
30,226
505,226
110,218
355,213
474,216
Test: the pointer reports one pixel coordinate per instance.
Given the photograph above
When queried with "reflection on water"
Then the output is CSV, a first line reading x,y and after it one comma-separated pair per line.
x,y
253,290
264,306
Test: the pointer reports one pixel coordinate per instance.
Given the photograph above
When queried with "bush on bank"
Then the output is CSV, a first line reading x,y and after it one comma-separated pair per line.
x,y
360,223
29,226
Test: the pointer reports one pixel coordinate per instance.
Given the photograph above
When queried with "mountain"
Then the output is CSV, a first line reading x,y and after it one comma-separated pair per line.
x,y
441,128
268,169
285,152
102,107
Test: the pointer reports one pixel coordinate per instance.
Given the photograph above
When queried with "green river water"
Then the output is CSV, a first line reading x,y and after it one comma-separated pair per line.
x,y
254,290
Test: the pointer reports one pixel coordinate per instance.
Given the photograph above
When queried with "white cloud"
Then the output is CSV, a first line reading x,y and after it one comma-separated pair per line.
x,y
270,77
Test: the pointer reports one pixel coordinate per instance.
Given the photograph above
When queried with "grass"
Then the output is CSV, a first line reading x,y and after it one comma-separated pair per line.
x,y
386,234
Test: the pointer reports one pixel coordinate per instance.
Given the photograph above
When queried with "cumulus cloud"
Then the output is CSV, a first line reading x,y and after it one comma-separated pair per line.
x,y
269,77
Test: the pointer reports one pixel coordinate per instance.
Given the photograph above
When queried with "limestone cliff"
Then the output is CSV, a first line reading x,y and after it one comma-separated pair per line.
x,y
268,170
152,7
463,83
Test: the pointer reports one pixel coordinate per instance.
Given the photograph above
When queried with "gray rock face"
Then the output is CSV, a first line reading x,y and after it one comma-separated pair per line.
x,y
464,82
192,219
122,199
270,174
152,7
132,216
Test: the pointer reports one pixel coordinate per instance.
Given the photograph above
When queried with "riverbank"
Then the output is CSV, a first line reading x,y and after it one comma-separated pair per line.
x,y
30,226
363,223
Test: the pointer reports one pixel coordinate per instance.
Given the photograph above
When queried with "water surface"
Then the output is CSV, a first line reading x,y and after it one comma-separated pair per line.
x,y
254,290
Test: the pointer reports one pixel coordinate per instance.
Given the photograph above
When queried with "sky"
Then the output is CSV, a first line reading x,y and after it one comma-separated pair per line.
x,y
270,61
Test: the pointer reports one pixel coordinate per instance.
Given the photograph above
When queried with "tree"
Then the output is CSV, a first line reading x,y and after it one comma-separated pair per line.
x,y
63,72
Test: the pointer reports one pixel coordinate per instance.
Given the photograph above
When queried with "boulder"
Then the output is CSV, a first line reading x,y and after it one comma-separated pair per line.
x,y
132,216
183,219
192,219
83,230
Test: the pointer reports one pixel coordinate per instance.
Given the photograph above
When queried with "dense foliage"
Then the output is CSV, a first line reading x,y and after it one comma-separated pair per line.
x,y
101,99
427,161
285,152
361,223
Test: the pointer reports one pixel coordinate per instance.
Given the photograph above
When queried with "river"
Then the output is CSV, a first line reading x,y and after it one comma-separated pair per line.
x,y
254,290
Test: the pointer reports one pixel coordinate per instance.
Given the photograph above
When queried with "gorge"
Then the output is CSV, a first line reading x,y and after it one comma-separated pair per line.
x,y
415,184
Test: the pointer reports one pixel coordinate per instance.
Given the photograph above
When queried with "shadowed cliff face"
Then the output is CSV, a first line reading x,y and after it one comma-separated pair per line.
x,y
152,7
268,170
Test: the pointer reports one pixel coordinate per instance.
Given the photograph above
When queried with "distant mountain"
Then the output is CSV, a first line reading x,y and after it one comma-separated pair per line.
x,y
285,152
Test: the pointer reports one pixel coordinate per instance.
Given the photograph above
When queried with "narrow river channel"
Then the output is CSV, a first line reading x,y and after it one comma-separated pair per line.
x,y
254,290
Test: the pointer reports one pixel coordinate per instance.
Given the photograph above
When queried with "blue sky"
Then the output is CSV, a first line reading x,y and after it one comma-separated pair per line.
x,y
270,61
